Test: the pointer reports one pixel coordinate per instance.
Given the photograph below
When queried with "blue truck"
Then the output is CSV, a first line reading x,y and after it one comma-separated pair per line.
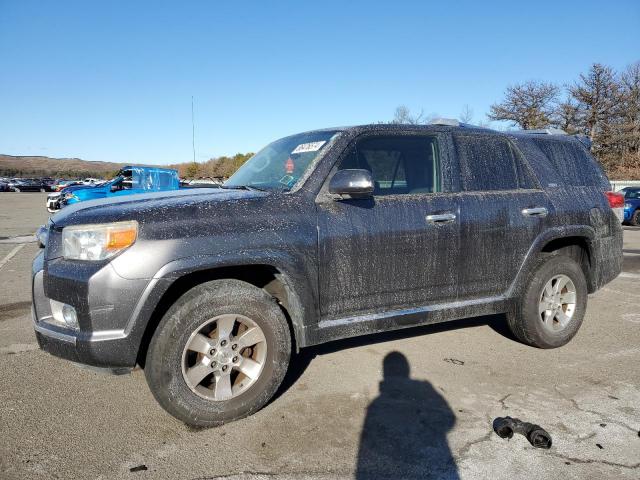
x,y
129,180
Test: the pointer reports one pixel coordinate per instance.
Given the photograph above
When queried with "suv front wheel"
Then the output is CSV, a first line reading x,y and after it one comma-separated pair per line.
x,y
552,307
219,353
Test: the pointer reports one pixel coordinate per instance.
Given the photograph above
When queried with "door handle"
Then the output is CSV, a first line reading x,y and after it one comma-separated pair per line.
x,y
441,218
535,212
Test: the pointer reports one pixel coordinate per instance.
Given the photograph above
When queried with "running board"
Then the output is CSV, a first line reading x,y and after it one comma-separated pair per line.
x,y
335,329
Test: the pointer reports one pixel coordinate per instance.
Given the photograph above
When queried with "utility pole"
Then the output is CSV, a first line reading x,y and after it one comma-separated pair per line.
x,y
193,132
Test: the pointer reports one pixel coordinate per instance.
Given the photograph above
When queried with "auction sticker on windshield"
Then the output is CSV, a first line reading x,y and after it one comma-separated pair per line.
x,y
309,147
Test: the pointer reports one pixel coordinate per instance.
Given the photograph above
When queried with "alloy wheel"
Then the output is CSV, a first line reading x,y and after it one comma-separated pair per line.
x,y
557,303
224,357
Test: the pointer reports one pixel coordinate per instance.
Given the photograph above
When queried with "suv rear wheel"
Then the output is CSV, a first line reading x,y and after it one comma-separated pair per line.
x,y
635,218
551,310
219,353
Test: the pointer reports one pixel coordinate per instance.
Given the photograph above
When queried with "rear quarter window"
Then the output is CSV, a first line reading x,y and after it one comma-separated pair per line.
x,y
573,164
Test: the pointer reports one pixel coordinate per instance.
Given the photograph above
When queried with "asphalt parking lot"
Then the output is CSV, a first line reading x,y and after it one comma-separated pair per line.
x,y
340,414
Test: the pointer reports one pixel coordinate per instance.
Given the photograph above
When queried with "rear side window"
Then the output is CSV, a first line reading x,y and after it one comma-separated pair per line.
x,y
399,165
489,163
571,161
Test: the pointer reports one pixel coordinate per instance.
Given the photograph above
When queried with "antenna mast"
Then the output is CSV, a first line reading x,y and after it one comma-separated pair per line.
x,y
193,132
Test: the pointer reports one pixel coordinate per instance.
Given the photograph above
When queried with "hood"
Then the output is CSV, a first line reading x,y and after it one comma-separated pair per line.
x,y
74,188
148,204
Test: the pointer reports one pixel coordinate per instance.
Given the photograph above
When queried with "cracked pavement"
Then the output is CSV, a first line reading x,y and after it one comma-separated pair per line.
x,y
344,413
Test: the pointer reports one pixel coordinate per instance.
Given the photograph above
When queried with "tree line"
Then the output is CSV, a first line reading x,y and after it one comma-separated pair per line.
x,y
601,103
219,167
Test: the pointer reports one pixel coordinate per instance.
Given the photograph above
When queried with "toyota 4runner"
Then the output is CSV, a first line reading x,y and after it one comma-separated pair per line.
x,y
320,236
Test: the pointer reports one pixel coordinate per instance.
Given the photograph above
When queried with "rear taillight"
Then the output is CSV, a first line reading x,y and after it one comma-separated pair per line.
x,y
616,200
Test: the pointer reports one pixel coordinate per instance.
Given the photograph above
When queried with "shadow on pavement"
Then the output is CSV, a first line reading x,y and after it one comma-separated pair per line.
x,y
300,361
405,429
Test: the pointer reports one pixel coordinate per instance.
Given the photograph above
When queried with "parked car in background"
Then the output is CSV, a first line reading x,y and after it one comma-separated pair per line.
x,y
4,185
631,205
129,181
92,181
29,185
320,236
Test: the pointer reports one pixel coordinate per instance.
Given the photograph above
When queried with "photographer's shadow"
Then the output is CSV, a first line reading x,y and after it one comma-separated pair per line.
x,y
405,431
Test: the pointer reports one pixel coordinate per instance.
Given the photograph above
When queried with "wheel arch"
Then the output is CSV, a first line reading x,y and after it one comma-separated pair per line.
x,y
573,241
272,279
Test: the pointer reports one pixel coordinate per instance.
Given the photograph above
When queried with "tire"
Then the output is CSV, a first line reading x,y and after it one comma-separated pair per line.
x,y
167,360
526,321
635,218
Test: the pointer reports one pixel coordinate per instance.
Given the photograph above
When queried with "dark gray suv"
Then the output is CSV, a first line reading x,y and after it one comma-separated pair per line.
x,y
325,235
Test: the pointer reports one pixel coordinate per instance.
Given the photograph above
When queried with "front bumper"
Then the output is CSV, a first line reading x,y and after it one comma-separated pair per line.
x,y
112,312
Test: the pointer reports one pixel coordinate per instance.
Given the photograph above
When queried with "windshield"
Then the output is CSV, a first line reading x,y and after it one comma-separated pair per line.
x,y
282,163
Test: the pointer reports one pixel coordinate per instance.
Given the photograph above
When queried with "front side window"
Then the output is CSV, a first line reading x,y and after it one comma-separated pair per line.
x,y
488,162
281,164
398,165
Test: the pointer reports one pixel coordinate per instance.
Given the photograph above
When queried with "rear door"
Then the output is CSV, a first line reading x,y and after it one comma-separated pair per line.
x,y
398,248
502,211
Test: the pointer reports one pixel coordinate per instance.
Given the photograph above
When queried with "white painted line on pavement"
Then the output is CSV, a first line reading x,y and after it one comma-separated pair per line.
x,y
630,254
20,239
11,254
629,275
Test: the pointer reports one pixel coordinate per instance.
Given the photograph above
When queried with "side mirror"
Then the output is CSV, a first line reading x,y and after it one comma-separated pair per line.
x,y
353,182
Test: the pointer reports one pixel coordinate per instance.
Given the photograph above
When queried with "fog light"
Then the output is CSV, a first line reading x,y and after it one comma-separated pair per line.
x,y
64,315
69,316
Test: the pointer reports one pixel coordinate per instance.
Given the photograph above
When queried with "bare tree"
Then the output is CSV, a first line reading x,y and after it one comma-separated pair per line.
x,y
568,117
595,93
404,116
528,105
629,109
466,116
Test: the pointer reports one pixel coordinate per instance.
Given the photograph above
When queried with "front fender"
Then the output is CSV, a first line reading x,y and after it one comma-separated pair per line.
x,y
299,287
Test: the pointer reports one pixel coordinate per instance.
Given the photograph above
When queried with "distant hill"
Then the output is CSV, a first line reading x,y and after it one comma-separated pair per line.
x,y
33,166
55,167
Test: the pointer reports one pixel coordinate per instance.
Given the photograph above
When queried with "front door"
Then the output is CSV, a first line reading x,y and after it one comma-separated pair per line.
x,y
398,248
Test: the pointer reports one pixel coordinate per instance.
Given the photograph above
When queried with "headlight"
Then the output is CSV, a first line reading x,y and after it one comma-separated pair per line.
x,y
627,206
97,242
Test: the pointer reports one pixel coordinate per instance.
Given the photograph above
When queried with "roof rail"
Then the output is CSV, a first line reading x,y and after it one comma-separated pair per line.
x,y
583,139
449,122
544,131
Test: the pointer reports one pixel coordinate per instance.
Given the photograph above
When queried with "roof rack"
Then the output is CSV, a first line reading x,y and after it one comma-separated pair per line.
x,y
452,122
583,139
544,131
449,122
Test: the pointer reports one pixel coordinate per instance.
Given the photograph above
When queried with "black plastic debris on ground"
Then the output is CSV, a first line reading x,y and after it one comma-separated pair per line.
x,y
139,468
537,436
454,361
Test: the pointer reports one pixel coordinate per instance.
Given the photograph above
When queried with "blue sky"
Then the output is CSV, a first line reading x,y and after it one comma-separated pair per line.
x,y
113,80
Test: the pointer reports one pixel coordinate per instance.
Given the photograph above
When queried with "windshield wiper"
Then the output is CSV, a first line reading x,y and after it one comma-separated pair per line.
x,y
243,187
